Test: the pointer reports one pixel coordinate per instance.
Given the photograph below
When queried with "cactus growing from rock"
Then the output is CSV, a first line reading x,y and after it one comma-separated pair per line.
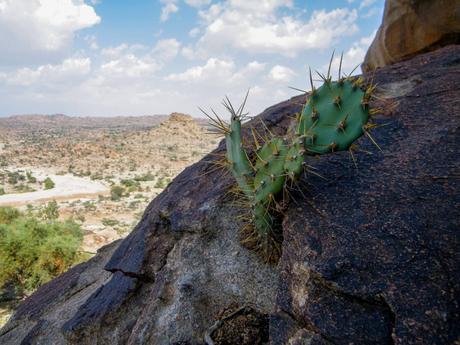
x,y
334,116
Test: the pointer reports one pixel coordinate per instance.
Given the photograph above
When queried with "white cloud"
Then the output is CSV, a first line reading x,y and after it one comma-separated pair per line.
x,y
122,49
372,12
188,52
256,27
194,32
166,49
68,71
34,29
92,42
129,80
212,69
281,73
170,7
129,66
224,73
197,3
259,7
366,3
125,62
114,51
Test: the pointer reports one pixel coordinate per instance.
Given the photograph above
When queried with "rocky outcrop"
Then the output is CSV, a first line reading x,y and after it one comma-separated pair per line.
x,y
179,117
370,255
411,27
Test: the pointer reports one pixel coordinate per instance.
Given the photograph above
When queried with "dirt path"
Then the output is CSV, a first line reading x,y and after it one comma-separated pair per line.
x,y
66,187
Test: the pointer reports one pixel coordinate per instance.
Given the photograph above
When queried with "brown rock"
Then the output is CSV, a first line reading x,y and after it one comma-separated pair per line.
x,y
411,27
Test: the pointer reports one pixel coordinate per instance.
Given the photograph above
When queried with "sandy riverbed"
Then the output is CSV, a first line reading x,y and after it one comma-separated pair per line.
x,y
66,187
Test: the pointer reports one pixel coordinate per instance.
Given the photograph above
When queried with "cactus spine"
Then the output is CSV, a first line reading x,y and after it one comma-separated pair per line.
x,y
332,119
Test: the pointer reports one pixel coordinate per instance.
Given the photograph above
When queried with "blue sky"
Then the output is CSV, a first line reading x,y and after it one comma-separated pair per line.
x,y
118,57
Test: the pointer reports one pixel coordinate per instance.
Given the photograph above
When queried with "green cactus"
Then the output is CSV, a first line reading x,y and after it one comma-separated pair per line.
x,y
334,116
237,157
270,174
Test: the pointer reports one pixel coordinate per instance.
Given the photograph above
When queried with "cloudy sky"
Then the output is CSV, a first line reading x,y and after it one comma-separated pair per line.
x,y
118,57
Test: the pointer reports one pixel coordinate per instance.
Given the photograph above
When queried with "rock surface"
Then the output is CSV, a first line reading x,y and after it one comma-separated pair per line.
x,y
371,257
411,27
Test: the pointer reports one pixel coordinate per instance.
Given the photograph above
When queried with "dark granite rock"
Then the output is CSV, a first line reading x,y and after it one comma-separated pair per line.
x,y
381,264
371,257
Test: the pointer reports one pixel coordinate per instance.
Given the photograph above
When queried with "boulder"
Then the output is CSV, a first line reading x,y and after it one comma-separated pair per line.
x,y
370,255
411,27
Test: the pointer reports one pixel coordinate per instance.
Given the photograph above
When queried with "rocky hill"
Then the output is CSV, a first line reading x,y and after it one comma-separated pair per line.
x,y
101,146
370,254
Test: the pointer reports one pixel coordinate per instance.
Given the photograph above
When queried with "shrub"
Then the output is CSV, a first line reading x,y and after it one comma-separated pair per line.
x,y
50,211
23,188
33,252
133,204
2,191
160,183
48,183
15,177
8,214
109,222
146,177
130,183
30,177
89,206
116,192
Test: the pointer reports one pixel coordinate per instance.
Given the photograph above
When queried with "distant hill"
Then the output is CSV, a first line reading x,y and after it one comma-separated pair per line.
x,y
66,122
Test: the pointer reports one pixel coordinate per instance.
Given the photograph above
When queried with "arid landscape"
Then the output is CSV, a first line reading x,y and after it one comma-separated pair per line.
x,y
102,172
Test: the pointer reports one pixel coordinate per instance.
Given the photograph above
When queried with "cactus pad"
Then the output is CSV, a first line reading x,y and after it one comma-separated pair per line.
x,y
237,157
334,116
270,175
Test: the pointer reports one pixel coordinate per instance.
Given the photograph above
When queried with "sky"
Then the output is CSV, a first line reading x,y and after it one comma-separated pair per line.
x,y
145,57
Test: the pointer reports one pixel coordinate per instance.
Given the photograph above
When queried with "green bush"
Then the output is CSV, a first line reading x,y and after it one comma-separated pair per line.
x,y
116,192
23,188
48,183
30,177
8,214
32,251
2,191
109,222
146,177
132,185
50,211
15,177
161,183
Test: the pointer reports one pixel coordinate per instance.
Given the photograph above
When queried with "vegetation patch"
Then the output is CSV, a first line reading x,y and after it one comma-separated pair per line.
x,y
36,248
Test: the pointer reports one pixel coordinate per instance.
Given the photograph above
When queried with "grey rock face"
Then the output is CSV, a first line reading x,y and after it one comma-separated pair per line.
x,y
370,255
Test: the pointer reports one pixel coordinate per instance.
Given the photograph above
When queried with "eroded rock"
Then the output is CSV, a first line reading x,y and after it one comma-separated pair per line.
x,y
411,27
